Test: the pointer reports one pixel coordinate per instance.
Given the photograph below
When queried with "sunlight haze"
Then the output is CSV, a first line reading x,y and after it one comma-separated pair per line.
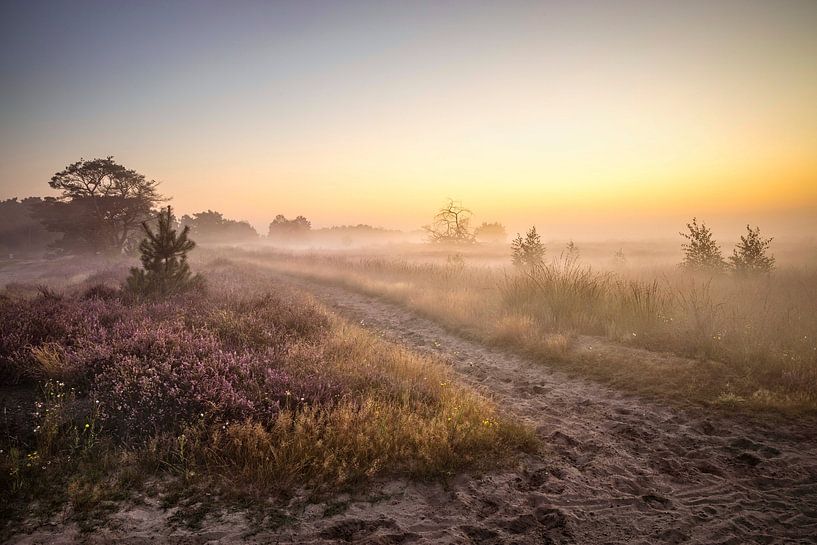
x,y
577,116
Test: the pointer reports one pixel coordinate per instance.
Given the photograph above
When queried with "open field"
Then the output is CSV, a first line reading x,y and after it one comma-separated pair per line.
x,y
284,406
748,342
408,273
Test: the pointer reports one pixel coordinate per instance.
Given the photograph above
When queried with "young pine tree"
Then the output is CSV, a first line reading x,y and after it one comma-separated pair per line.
x,y
701,252
528,251
750,255
164,260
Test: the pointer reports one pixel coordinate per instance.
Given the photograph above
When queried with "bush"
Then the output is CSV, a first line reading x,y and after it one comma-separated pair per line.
x,y
157,365
750,256
701,252
528,252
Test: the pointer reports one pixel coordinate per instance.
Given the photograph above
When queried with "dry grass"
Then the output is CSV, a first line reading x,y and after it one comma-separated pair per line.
x,y
404,417
752,341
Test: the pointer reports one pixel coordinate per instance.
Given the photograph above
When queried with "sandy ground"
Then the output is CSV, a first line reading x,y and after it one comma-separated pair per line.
x,y
615,469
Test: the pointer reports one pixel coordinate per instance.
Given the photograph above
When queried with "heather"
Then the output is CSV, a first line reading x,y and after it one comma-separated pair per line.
x,y
245,385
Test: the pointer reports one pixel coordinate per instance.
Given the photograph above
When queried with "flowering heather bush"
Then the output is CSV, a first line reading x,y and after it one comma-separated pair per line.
x,y
161,365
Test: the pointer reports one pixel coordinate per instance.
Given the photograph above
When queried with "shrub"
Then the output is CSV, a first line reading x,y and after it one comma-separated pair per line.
x,y
750,255
701,252
527,252
156,365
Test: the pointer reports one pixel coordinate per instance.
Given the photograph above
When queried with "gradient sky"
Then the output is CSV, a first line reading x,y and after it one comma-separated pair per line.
x,y
579,117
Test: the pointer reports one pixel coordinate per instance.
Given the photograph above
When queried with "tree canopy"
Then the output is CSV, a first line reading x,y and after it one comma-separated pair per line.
x,y
101,205
212,226
283,228
491,232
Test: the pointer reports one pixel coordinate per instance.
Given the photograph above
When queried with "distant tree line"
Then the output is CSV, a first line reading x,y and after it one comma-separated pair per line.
x,y
104,207
212,226
282,228
101,208
21,230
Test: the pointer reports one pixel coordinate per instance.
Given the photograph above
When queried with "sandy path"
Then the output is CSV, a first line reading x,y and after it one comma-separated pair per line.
x,y
621,469
616,469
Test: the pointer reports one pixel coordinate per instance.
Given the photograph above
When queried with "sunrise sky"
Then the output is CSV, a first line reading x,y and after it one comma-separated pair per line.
x,y
587,118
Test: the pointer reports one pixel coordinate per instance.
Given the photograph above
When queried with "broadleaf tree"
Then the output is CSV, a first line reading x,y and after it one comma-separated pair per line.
x,y
750,256
701,251
101,205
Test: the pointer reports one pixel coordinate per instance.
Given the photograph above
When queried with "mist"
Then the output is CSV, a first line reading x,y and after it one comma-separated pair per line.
x,y
390,272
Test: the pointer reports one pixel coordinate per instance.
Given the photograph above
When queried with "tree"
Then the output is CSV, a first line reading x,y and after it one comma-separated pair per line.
x,y
214,227
21,232
164,260
451,225
283,228
528,251
107,201
701,252
750,255
491,232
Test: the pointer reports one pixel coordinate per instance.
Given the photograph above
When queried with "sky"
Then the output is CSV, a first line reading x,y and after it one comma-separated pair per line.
x,y
584,118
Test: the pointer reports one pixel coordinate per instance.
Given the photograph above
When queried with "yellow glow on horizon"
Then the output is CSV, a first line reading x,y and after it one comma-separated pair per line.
x,y
523,112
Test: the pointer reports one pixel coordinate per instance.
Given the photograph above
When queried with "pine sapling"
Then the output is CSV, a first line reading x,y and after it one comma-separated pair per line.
x,y
164,260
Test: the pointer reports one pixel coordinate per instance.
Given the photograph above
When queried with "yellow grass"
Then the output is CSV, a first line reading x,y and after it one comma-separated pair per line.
x,y
407,416
752,341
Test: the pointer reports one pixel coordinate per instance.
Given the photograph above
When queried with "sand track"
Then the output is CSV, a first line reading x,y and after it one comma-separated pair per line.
x,y
615,468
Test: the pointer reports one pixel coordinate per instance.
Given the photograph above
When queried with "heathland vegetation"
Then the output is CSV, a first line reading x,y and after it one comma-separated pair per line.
x,y
221,379
240,388
217,380
749,333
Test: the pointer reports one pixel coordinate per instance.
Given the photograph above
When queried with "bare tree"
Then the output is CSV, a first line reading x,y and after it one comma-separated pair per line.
x,y
451,224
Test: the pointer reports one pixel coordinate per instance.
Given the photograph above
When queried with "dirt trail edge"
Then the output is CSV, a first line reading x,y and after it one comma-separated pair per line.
x,y
620,469
615,469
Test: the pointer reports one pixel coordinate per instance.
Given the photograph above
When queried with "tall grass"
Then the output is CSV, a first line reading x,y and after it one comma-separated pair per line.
x,y
754,339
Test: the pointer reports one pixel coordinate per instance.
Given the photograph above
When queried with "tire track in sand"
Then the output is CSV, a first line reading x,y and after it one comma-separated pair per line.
x,y
617,468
